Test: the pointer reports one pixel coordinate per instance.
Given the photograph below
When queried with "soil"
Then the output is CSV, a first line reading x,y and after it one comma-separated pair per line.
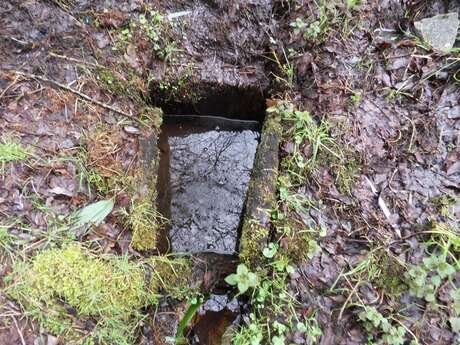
x,y
392,103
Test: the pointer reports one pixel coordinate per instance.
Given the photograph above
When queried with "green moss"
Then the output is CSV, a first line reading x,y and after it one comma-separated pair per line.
x,y
261,192
144,222
172,276
110,291
253,240
125,83
152,117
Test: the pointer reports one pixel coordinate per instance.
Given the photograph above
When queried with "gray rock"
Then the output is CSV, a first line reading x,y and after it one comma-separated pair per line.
x,y
439,31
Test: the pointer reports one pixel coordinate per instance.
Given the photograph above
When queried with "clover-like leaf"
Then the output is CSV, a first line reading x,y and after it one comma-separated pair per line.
x,y
270,251
243,278
242,270
243,286
231,279
278,340
252,279
436,280
445,270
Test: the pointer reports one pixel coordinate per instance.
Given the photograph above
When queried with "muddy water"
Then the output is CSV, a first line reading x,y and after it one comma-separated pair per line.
x,y
205,168
214,319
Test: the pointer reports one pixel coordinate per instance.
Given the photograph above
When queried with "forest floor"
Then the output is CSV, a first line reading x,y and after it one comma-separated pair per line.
x,y
364,244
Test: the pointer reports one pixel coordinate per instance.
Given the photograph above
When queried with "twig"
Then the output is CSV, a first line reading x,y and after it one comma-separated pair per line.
x,y
71,59
81,95
9,87
19,331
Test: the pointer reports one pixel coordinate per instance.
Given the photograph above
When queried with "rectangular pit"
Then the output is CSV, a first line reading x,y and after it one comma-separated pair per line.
x,y
205,169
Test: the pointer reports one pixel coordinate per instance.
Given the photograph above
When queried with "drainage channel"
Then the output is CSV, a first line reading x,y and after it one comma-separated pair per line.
x,y
204,173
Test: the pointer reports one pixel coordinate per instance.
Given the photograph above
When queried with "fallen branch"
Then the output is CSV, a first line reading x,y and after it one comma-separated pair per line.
x,y
82,62
79,94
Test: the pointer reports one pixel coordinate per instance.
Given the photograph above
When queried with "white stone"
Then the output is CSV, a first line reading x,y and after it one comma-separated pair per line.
x,y
439,31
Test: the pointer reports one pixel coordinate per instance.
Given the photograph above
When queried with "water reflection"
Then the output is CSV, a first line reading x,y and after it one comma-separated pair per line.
x,y
208,173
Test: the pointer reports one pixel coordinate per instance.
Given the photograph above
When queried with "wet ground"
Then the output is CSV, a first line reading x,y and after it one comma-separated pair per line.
x,y
391,103
205,168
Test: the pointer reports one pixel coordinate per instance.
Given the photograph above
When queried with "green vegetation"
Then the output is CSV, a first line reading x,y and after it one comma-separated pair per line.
x,y
153,27
316,29
390,277
127,83
111,290
12,151
176,84
108,289
352,4
311,146
376,322
444,204
286,68
274,317
437,269
173,276
144,222
243,278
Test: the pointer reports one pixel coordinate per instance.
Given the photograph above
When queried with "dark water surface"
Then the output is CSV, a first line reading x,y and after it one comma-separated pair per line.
x,y
205,169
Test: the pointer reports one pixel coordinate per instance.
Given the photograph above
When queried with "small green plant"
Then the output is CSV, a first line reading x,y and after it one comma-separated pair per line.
x,y
243,278
270,251
374,321
156,28
310,328
455,315
309,136
250,335
425,279
12,151
356,98
317,30
298,25
352,4
6,239
445,204
287,70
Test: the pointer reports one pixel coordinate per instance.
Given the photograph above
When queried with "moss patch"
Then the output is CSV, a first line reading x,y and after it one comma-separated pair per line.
x,y
172,276
144,222
109,291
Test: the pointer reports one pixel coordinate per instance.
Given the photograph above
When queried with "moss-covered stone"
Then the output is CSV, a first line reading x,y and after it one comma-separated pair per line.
x,y
261,198
143,218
